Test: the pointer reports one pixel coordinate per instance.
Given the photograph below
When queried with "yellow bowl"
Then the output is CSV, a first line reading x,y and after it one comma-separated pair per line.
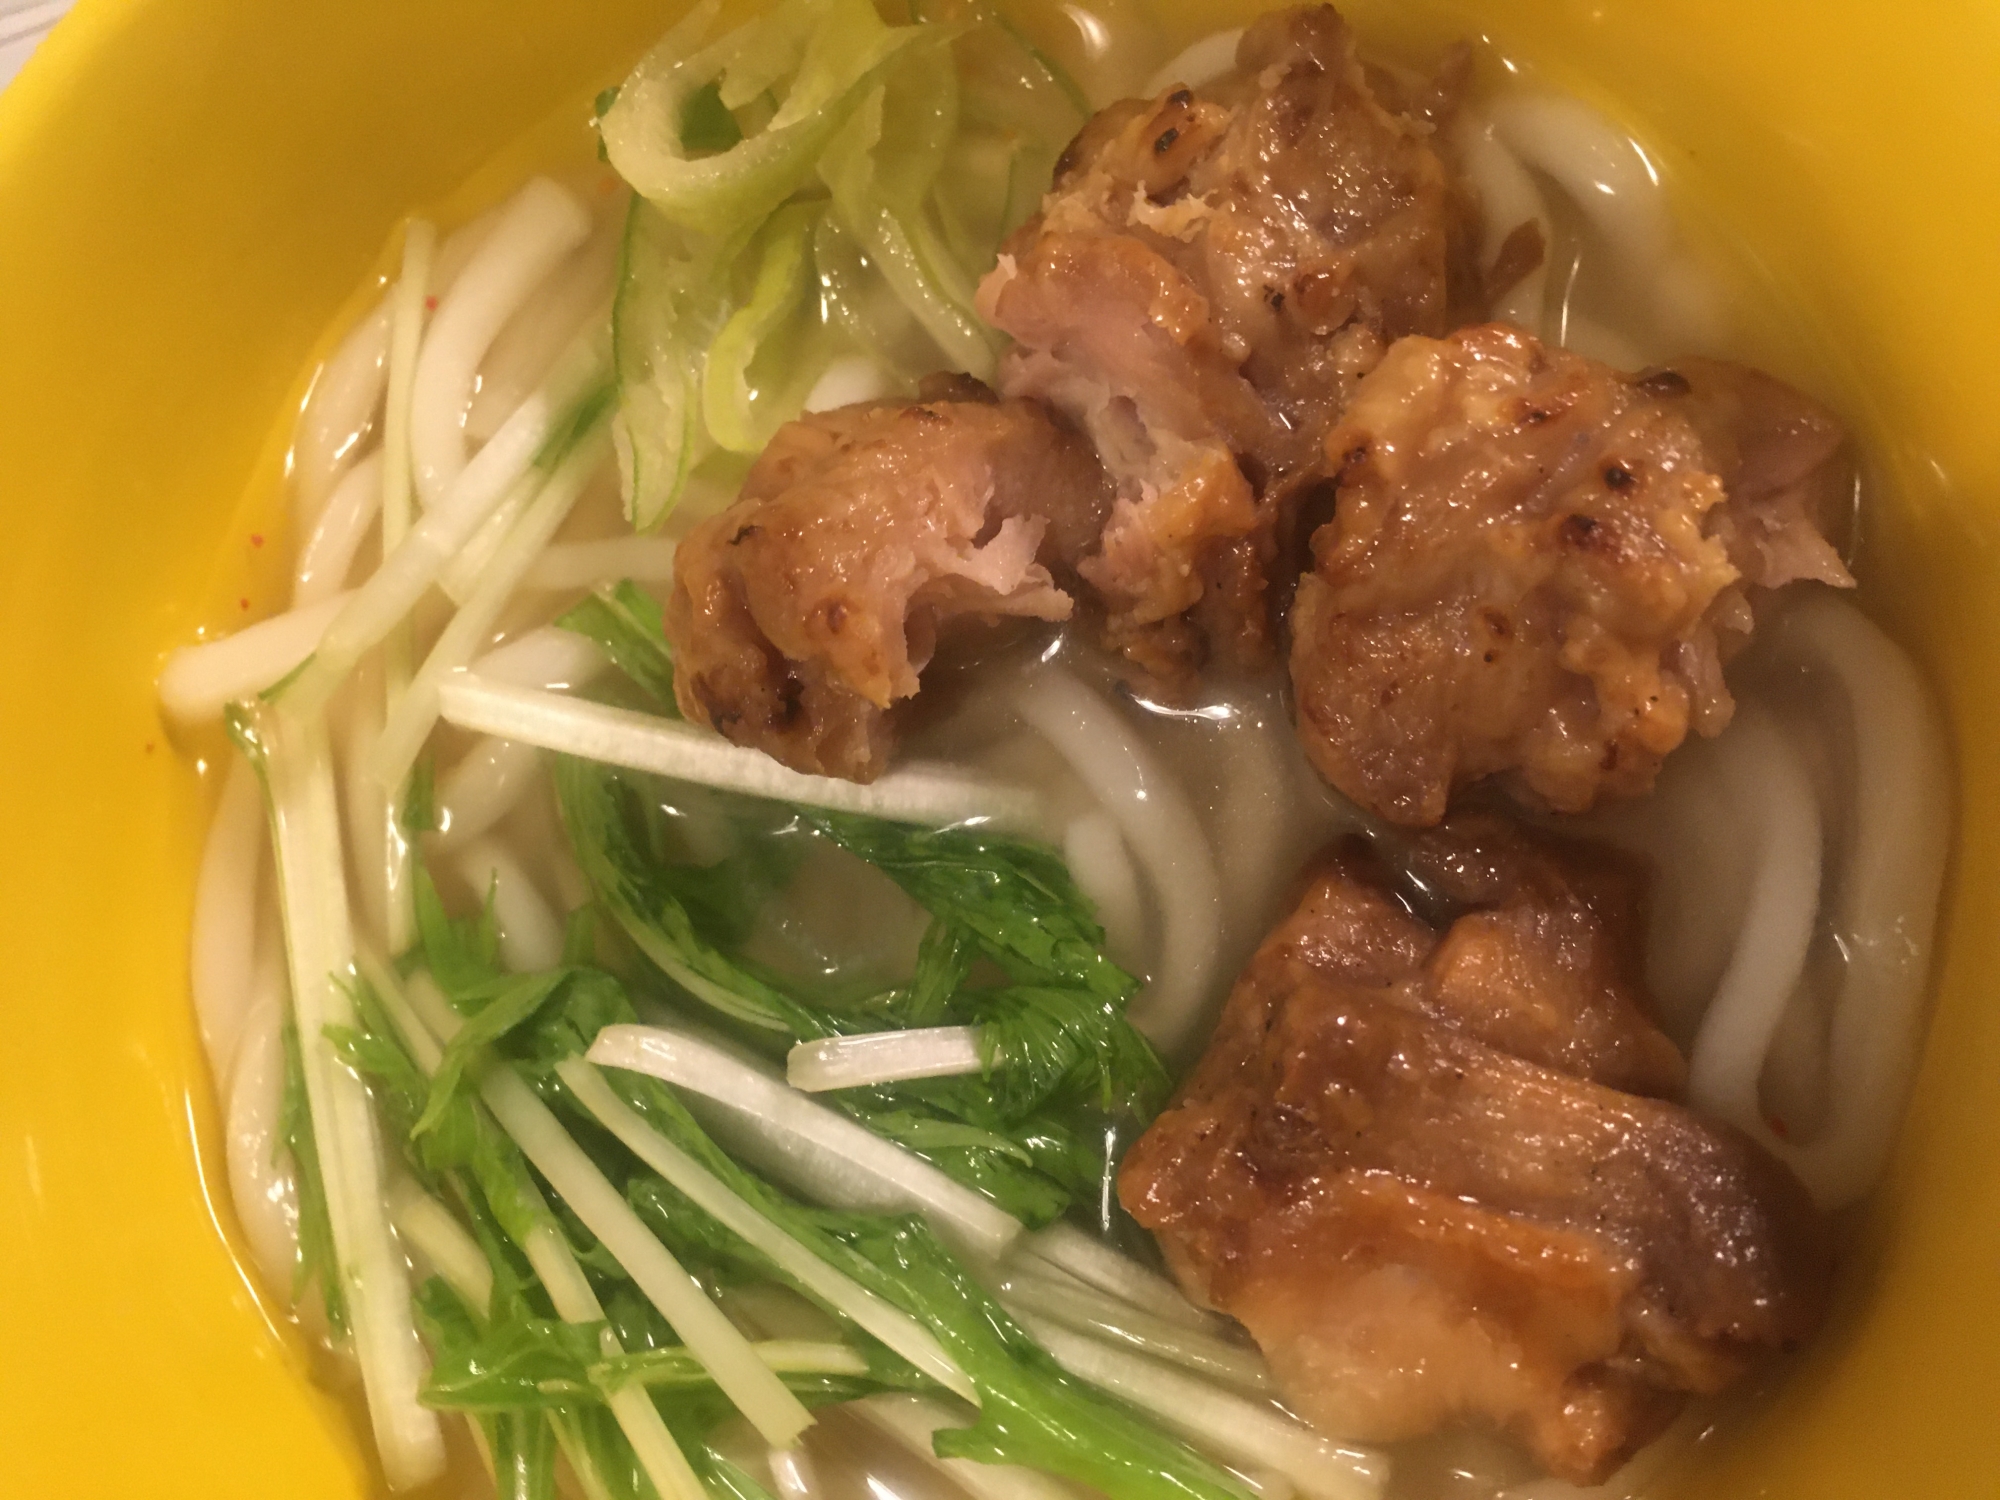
x,y
190,189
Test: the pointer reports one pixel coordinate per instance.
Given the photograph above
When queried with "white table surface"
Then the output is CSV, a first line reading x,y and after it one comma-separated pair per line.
x,y
23,23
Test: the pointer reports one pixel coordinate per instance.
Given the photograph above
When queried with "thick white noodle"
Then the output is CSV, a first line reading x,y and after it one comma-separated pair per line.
x,y
1617,188
913,1422
198,682
1198,63
455,251
1508,198
328,555
1704,865
261,1184
547,657
793,1475
1150,809
1603,170
485,785
338,412
222,950
1889,870
912,793
847,381
1769,792
582,565
537,229
1098,858
1269,811
531,934
579,289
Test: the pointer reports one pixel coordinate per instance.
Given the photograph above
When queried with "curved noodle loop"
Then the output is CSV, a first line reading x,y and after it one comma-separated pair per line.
x,y
1153,813
1884,879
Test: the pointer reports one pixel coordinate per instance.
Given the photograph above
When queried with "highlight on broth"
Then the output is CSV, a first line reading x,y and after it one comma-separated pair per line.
x,y
1006,770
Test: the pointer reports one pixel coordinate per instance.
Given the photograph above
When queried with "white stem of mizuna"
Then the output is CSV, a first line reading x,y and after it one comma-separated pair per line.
x,y
1248,1433
815,1151
894,1327
297,765
934,795
1096,1264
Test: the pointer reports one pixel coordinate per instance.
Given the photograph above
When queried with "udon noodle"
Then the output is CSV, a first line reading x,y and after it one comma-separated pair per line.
x,y
1798,856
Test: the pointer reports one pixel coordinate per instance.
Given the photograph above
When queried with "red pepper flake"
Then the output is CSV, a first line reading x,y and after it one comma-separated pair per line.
x,y
149,747
242,603
430,304
256,538
1778,1129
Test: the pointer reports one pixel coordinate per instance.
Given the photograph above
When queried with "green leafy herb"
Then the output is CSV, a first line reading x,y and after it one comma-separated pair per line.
x,y
519,1363
513,1005
1063,1055
462,1151
625,621
944,962
463,954
1017,898
512,1412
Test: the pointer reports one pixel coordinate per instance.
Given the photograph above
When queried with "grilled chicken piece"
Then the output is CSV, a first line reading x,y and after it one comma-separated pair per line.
x,y
1430,1169
1537,566
1210,274
805,611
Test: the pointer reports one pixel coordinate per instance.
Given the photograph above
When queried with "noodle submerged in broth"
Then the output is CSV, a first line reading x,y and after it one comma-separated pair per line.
x,y
630,1111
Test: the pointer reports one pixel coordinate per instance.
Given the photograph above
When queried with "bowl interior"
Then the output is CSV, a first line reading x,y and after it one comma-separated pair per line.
x,y
190,189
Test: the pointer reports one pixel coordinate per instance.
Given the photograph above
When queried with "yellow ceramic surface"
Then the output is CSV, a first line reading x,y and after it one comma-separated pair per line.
x,y
190,189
